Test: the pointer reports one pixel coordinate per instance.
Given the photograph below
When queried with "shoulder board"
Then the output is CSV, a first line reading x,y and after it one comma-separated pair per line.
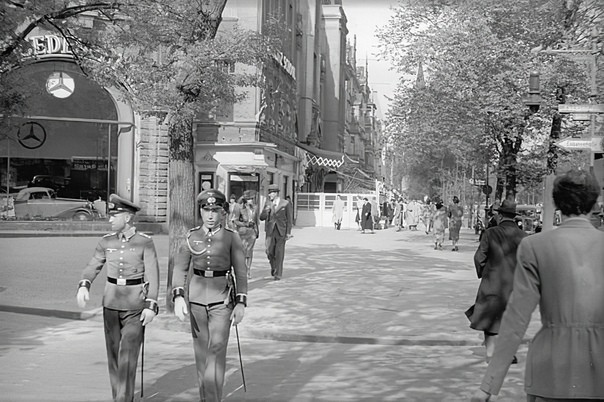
x,y
230,230
144,235
110,234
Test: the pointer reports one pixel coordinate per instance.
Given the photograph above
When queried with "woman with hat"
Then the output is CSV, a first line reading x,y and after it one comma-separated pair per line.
x,y
455,221
245,221
439,222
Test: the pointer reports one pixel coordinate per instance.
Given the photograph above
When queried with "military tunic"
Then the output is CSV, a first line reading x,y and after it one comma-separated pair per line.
x,y
129,257
210,252
202,262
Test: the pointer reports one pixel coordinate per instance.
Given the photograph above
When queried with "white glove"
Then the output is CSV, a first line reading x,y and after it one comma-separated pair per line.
x,y
83,296
147,316
180,308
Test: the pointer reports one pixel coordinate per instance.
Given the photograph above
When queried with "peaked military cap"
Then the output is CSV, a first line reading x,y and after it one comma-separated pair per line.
x,y
273,188
211,198
118,204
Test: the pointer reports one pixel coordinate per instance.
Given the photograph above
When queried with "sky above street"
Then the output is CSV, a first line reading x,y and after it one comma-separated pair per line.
x,y
364,17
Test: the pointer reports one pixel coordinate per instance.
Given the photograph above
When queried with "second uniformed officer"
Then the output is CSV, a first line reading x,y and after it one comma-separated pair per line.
x,y
203,267
130,298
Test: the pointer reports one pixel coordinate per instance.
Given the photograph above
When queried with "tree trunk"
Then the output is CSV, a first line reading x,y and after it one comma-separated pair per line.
x,y
182,192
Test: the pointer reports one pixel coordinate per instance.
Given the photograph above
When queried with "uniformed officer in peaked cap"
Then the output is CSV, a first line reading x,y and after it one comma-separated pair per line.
x,y
215,294
130,297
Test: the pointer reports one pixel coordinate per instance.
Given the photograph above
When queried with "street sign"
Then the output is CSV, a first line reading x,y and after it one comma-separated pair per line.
x,y
581,108
581,116
477,182
594,144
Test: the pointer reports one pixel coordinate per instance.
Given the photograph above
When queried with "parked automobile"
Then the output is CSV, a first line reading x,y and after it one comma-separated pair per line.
x,y
529,218
42,202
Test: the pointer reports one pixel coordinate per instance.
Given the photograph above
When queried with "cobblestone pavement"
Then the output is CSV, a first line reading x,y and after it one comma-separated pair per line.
x,y
357,317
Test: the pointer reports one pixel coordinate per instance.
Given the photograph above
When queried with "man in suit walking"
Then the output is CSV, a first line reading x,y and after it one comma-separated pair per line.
x,y
277,214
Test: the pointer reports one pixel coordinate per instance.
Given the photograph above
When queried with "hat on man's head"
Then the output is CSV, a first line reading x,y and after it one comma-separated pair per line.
x,y
211,199
273,188
118,204
507,207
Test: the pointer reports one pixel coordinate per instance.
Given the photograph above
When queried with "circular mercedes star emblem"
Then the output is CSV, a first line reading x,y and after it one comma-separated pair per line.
x,y
31,135
60,85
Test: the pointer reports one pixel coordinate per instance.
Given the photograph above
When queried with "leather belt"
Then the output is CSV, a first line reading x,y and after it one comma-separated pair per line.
x,y
125,282
209,274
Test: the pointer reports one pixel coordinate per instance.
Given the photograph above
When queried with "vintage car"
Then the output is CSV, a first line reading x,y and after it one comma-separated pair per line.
x,y
42,202
529,218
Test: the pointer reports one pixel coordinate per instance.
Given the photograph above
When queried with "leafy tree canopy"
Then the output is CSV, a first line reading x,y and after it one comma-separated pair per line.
x,y
476,57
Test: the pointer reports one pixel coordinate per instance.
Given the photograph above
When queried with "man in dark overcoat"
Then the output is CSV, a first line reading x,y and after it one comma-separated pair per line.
x,y
366,218
495,262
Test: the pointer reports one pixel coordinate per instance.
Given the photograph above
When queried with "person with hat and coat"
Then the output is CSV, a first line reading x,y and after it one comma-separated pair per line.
x,y
495,262
366,218
561,271
130,296
277,214
210,284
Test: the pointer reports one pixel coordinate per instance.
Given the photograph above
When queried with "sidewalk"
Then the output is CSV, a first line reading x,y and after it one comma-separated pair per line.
x,y
357,317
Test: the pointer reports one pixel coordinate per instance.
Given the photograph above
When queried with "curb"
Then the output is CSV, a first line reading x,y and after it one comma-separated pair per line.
x,y
64,314
50,234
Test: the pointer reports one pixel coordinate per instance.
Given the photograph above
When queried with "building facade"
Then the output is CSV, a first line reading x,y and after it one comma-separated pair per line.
x,y
304,128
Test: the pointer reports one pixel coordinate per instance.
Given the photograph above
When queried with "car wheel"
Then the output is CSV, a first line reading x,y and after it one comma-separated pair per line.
x,y
81,216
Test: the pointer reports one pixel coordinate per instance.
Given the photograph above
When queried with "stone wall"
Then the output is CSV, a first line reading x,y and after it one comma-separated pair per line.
x,y
152,148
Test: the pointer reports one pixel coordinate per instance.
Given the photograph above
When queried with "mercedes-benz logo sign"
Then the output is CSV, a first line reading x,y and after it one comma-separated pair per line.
x,y
31,135
60,85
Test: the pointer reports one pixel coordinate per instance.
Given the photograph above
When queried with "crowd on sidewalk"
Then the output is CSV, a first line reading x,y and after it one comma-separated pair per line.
x,y
431,215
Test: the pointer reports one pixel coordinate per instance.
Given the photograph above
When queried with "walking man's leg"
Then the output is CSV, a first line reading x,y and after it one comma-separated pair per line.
x,y
279,256
111,321
270,252
130,346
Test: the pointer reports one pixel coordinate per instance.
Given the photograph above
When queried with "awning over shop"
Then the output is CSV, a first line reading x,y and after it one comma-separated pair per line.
x,y
322,157
241,161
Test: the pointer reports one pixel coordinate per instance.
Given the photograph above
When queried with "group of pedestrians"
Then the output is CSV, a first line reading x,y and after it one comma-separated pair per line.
x,y
209,282
559,270
435,217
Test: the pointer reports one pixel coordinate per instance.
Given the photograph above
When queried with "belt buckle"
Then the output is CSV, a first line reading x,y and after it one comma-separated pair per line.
x,y
121,281
209,274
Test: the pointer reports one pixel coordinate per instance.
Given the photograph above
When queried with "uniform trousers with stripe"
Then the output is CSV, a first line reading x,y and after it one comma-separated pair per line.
x,y
210,328
123,338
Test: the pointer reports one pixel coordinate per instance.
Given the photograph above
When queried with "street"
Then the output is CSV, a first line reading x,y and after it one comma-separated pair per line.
x,y
357,317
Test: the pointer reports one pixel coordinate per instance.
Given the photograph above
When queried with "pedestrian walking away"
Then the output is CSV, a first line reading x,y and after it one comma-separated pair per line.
x,y
210,285
130,295
337,212
277,214
561,271
495,262
427,213
366,218
439,220
455,221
